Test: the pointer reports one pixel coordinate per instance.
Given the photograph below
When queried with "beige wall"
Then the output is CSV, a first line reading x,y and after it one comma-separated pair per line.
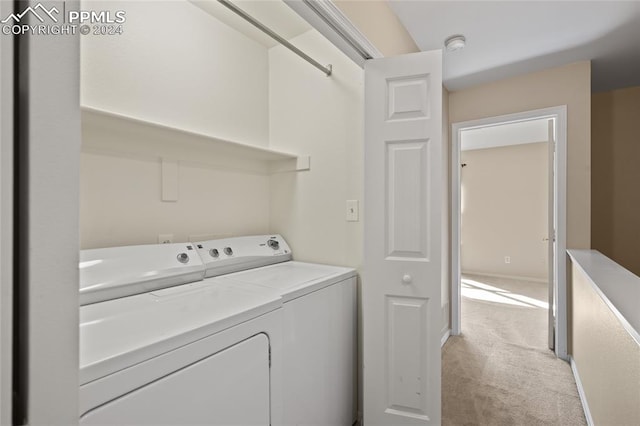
x,y
615,202
607,358
381,26
568,85
504,210
321,117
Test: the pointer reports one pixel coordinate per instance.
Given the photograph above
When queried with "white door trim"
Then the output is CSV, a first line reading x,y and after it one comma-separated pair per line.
x,y
48,168
560,186
6,218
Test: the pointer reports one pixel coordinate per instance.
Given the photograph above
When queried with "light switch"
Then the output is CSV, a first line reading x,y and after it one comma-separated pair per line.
x,y
353,213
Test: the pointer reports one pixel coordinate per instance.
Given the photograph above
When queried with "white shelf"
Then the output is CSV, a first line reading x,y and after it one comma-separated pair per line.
x,y
107,132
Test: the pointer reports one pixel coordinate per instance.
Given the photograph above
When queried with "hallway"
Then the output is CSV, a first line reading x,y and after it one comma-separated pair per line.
x,y
499,371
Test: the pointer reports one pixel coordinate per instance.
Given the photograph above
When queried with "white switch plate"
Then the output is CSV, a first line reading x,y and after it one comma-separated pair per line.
x,y
165,238
507,259
353,211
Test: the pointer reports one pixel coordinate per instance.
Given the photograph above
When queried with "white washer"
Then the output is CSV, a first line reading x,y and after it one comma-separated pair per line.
x,y
158,348
319,324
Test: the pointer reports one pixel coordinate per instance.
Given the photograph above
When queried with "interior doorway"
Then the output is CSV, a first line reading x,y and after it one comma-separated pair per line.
x,y
497,131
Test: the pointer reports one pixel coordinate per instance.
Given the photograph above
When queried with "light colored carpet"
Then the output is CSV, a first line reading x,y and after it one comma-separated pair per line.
x,y
499,371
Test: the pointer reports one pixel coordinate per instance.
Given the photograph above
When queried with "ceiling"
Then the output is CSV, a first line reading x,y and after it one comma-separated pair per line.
x,y
509,38
276,15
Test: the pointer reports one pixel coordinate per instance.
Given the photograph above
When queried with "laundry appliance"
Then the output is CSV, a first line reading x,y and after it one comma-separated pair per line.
x,y
158,345
319,324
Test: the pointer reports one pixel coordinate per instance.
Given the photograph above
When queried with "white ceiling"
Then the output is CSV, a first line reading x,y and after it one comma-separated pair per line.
x,y
518,133
508,38
275,14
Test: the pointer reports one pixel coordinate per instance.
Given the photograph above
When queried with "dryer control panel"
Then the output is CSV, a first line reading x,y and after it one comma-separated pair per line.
x,y
229,255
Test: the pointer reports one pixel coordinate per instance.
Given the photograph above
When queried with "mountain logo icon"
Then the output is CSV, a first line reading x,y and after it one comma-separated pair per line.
x,y
34,12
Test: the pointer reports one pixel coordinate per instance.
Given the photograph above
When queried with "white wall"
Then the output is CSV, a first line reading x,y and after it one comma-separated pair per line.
x,y
322,117
504,210
307,113
120,202
177,65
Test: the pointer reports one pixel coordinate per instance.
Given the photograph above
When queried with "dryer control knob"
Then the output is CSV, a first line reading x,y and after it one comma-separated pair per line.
x,y
214,253
228,251
183,258
274,244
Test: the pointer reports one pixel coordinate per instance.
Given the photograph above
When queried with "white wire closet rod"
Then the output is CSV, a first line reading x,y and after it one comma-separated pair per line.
x,y
325,69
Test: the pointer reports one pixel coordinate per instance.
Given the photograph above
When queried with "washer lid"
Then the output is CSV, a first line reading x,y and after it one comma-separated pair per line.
x,y
119,333
111,273
292,279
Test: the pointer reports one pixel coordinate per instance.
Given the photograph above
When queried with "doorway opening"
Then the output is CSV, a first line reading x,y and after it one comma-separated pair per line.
x,y
465,135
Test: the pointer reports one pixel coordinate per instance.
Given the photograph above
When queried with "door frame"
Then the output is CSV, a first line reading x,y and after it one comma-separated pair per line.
x,y
559,113
7,64
46,229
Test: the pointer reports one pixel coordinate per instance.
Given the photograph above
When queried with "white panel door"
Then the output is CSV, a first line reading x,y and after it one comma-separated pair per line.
x,y
402,267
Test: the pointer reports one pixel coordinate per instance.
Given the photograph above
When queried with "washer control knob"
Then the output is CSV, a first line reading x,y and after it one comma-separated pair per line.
x,y
214,253
274,244
183,258
228,251
406,279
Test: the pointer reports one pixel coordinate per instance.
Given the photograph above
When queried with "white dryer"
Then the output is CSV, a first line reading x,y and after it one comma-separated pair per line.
x,y
160,346
319,324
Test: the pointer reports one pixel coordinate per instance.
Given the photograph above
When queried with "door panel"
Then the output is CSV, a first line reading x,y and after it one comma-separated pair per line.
x,y
407,205
407,355
402,264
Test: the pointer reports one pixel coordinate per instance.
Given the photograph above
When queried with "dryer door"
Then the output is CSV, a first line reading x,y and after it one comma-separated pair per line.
x,y
230,387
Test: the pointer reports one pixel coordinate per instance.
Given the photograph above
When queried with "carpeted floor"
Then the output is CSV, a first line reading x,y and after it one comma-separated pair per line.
x,y
499,370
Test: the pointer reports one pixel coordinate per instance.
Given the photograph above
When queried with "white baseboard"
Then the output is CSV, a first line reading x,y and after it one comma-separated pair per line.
x,y
509,277
445,336
583,397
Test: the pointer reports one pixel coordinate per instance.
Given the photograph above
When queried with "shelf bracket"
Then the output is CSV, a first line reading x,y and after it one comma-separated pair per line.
x,y
298,164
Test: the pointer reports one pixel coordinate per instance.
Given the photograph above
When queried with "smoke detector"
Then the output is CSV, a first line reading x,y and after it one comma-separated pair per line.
x,y
455,42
